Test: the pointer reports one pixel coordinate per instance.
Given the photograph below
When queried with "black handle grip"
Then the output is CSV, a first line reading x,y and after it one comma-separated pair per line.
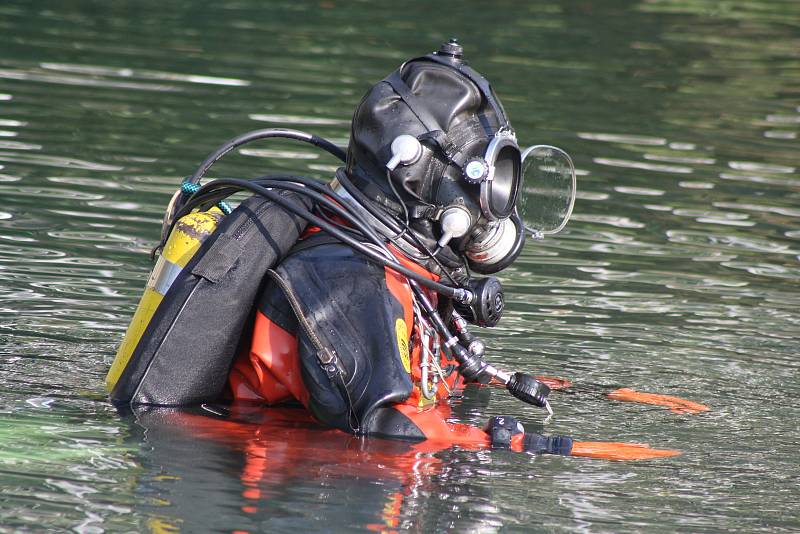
x,y
528,389
539,444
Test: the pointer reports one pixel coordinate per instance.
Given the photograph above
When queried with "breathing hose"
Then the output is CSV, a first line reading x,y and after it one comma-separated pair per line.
x,y
266,133
389,222
321,193
319,196
331,148
459,294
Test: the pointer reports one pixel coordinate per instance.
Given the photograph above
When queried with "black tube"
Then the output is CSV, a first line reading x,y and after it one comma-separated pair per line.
x,y
353,218
390,223
219,194
265,134
210,194
323,189
382,216
321,193
447,291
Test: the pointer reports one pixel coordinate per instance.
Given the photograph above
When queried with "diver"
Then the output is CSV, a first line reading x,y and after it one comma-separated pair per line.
x,y
353,298
433,163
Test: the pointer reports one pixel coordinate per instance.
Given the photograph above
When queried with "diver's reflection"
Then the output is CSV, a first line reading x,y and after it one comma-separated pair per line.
x,y
244,468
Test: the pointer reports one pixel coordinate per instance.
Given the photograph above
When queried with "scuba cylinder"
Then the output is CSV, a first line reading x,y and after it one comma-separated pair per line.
x,y
184,241
186,349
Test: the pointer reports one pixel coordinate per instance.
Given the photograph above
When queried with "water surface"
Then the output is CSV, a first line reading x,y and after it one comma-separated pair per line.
x,y
678,273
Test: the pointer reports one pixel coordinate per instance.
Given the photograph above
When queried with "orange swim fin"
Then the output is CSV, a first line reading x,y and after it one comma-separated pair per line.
x,y
604,450
553,382
609,450
675,404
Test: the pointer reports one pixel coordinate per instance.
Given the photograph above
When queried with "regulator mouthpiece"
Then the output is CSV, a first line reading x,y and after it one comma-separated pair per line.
x,y
486,308
492,243
473,368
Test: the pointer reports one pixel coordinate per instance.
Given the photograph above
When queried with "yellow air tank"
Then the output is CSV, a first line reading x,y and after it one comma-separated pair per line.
x,y
187,236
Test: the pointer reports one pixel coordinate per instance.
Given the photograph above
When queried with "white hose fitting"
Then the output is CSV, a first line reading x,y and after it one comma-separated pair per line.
x,y
455,222
406,149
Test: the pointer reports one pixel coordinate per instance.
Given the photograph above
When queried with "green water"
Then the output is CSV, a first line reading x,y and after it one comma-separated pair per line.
x,y
678,273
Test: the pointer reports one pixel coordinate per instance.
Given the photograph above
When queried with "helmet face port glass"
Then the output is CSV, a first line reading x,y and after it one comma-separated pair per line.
x,y
506,181
548,194
499,190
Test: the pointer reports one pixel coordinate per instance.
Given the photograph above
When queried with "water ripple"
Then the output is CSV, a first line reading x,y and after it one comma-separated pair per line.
x,y
83,81
56,161
46,192
297,119
611,220
627,164
623,138
678,273
729,241
144,74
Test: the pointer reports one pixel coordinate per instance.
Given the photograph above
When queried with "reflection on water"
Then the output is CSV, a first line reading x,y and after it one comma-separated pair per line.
x,y
678,273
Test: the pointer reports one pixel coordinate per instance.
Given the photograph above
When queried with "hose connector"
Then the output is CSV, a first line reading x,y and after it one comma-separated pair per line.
x,y
462,295
527,389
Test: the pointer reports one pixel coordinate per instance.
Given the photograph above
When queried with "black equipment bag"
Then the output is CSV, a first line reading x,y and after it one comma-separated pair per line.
x,y
188,347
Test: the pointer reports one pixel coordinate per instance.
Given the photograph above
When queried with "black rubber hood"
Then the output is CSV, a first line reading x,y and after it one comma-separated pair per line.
x,y
444,99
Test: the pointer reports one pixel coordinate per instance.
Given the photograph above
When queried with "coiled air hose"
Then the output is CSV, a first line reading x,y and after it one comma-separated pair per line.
x,y
457,293
266,133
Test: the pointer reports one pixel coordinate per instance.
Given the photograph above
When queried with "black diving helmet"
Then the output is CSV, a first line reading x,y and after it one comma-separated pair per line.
x,y
434,137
